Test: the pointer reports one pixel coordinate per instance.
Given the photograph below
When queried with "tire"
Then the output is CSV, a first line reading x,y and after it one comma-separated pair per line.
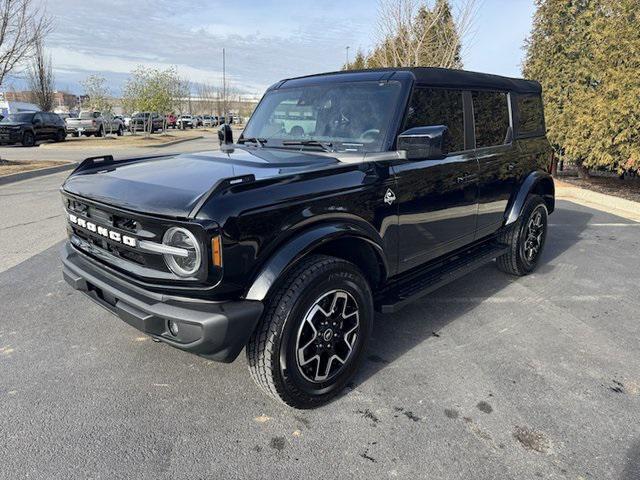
x,y
28,139
61,136
525,238
303,298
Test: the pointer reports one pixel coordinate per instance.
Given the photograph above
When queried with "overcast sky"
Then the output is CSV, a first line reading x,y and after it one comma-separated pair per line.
x,y
265,40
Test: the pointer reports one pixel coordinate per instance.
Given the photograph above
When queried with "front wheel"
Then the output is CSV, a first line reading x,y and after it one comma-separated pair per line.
x,y
310,340
525,238
28,139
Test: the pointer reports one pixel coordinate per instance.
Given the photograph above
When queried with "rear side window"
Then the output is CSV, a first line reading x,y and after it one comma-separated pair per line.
x,y
491,116
435,106
530,115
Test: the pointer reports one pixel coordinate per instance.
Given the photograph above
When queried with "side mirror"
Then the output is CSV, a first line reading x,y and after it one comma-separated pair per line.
x,y
425,143
225,135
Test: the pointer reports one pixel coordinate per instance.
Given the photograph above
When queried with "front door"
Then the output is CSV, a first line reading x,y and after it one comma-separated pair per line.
x,y
39,126
437,199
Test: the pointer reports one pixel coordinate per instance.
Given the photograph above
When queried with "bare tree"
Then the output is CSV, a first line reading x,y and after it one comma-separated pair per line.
x,y
410,33
22,27
41,79
99,98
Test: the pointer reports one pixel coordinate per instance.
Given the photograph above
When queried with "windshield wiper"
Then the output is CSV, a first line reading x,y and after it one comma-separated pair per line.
x,y
326,146
258,141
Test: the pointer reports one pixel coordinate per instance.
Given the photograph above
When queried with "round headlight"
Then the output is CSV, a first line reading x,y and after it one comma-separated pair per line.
x,y
182,265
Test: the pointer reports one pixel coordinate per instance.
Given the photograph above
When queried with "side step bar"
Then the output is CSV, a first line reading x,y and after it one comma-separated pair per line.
x,y
432,277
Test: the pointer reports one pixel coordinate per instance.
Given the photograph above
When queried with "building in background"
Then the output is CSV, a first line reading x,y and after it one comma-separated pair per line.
x,y
63,101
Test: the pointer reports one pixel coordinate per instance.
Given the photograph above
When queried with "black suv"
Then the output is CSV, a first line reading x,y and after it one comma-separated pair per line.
x,y
29,127
346,193
140,122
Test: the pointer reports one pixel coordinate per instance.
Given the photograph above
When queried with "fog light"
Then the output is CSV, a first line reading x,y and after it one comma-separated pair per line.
x,y
173,328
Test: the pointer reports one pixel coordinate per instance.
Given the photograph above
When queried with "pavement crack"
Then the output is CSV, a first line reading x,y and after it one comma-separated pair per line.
x,y
32,222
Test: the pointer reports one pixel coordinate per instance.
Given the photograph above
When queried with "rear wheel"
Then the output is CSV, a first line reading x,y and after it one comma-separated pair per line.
x,y
310,340
61,135
526,238
28,139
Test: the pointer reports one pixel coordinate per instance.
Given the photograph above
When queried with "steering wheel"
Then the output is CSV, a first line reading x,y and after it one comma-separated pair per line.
x,y
374,132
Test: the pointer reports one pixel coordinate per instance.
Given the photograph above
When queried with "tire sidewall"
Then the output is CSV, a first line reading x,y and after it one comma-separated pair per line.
x,y
28,135
535,204
343,276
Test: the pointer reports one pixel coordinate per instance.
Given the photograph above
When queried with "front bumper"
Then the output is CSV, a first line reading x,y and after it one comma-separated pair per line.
x,y
13,136
215,330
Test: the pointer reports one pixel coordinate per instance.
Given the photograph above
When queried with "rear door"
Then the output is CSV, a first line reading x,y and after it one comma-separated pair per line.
x,y
497,157
437,199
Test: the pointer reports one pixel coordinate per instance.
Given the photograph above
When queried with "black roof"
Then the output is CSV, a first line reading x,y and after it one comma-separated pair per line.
x,y
432,76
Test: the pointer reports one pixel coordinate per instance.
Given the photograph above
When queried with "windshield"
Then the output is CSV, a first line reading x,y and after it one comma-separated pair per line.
x,y
349,116
18,117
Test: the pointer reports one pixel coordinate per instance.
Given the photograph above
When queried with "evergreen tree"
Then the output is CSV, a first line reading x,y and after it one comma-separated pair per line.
x,y
358,63
413,34
586,55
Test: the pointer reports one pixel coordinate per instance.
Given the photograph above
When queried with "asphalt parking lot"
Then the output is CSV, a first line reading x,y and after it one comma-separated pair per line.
x,y
490,377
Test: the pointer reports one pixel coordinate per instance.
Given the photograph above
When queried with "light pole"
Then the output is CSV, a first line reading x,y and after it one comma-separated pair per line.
x,y
347,64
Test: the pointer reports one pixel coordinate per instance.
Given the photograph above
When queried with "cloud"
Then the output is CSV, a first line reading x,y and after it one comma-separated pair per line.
x,y
264,41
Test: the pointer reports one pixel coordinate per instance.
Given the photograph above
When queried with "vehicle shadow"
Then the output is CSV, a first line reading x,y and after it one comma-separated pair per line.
x,y
396,334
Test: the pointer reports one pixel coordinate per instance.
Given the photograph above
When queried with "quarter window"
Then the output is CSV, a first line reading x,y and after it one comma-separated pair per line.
x,y
491,116
530,115
434,106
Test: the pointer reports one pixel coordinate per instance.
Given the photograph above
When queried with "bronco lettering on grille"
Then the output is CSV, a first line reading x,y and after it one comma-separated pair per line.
x,y
100,230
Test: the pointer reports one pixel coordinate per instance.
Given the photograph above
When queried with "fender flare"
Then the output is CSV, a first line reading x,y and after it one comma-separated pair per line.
x,y
530,183
293,250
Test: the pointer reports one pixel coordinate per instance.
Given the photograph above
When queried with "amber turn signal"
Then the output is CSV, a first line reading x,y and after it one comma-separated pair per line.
x,y
216,251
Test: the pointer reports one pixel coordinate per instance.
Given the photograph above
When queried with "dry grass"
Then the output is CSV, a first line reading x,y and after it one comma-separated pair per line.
x,y
8,167
138,140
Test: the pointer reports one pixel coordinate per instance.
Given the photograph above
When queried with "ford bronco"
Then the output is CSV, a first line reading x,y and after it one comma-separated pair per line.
x,y
346,193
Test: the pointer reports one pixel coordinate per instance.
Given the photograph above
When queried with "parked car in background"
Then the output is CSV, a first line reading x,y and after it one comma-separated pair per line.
x,y
186,121
207,121
28,128
92,122
126,120
172,120
140,122
221,120
198,121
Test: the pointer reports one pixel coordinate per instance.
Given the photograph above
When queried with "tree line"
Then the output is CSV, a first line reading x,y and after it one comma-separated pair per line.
x,y
586,55
412,33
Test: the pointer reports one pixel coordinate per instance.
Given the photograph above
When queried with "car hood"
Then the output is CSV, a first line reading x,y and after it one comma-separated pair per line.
x,y
173,185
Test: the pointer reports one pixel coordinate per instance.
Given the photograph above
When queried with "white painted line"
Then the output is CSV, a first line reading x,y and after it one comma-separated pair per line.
x,y
596,225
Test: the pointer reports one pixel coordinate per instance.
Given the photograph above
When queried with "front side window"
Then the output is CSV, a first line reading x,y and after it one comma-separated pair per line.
x,y
349,116
491,116
433,106
530,115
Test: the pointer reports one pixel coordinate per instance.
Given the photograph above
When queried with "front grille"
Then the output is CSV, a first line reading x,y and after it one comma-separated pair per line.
x,y
111,251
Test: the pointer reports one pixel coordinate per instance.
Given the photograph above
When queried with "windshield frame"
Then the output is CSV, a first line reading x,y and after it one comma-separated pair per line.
x,y
405,79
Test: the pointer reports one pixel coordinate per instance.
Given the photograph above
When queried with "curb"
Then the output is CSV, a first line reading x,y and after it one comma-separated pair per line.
x,y
608,203
16,177
173,142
